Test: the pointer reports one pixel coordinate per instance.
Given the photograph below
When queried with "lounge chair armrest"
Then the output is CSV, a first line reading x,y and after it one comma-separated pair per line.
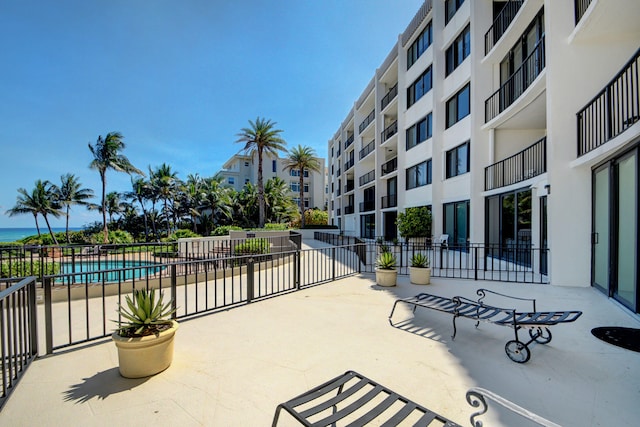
x,y
477,397
482,293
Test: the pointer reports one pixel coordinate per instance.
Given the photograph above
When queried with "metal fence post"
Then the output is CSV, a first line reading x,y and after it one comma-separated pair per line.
x,y
250,280
174,290
333,264
296,269
33,317
475,261
48,318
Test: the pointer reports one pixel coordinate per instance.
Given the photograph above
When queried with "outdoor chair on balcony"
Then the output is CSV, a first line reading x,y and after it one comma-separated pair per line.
x,y
354,400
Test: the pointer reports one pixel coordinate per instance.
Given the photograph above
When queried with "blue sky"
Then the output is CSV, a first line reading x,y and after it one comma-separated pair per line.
x,y
178,79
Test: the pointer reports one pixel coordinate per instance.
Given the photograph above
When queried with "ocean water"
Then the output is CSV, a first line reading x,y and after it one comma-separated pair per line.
x,y
14,234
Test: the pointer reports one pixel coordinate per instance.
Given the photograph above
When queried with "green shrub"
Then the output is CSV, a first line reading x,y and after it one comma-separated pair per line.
x,y
180,234
415,222
386,261
252,247
223,230
144,314
276,226
116,237
419,260
320,227
20,268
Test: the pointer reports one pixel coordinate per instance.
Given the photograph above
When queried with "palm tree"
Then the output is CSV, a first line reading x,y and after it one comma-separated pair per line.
x,y
217,199
42,200
70,193
113,204
26,204
261,137
139,192
107,154
280,206
163,181
302,159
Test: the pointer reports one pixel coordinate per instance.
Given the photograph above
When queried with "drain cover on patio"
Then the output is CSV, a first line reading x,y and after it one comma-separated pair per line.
x,y
628,338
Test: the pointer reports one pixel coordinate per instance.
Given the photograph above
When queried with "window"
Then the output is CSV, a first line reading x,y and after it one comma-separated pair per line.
x,y
450,9
246,164
458,107
306,187
458,160
419,175
294,186
458,51
419,46
247,180
419,132
231,180
421,86
274,166
296,172
296,200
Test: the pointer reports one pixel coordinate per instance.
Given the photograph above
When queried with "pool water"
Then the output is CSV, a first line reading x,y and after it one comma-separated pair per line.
x,y
93,271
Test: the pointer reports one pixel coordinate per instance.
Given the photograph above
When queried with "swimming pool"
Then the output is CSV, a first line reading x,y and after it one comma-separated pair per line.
x,y
94,271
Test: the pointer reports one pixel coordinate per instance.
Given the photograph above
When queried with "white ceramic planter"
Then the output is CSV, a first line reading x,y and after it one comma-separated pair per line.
x,y
419,275
145,356
386,277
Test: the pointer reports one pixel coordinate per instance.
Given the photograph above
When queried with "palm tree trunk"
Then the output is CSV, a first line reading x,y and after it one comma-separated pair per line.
x,y
260,191
55,241
166,215
66,231
301,170
35,217
105,230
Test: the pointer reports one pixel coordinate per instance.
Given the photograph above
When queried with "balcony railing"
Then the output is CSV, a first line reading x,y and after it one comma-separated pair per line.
x,y
530,162
338,191
349,141
349,187
501,23
349,210
349,164
367,205
389,131
515,86
338,212
581,7
390,96
390,166
338,172
390,201
367,177
367,120
367,149
613,110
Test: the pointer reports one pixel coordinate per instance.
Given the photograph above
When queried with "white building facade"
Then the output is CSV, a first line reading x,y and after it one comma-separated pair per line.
x,y
518,123
243,168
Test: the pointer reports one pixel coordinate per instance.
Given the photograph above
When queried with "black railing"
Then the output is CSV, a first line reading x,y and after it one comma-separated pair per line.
x,y
390,166
515,86
390,201
349,164
390,96
351,243
338,212
581,7
613,110
338,152
349,141
367,149
338,191
350,186
18,332
501,23
338,172
367,177
530,162
365,123
389,131
367,205
349,210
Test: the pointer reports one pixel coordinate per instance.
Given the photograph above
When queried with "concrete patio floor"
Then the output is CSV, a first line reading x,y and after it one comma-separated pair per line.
x,y
233,368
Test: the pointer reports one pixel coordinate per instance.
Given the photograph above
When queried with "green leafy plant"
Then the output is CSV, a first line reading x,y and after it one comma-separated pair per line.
x,y
386,261
144,314
415,222
223,230
419,260
252,247
384,248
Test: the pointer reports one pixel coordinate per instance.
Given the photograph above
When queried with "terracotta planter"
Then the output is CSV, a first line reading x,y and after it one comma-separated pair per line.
x,y
386,277
419,275
145,356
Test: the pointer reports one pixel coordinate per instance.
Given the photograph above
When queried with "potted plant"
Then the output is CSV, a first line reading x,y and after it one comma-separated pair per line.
x,y
145,339
386,273
419,271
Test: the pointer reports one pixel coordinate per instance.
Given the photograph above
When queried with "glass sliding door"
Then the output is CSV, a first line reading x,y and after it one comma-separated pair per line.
x,y
600,235
626,289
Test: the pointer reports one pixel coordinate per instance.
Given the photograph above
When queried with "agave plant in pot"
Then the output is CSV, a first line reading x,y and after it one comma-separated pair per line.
x,y
145,335
419,271
386,273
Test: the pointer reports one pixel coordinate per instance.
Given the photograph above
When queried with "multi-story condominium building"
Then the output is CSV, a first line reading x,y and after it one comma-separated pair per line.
x,y
518,123
243,168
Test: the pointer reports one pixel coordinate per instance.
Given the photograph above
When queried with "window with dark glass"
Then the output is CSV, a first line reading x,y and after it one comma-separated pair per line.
x,y
419,132
450,9
421,86
419,175
274,166
458,107
419,46
458,160
458,51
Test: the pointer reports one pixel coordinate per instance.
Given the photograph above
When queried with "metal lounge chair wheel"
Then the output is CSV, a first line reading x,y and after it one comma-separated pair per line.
x,y
517,351
540,335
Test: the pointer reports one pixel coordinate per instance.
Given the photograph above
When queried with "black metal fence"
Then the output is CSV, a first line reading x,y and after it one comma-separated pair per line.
x,y
501,23
389,96
365,123
530,162
368,149
18,332
612,110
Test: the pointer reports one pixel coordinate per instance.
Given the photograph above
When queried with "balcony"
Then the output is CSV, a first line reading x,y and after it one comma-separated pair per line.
x,y
338,192
367,149
349,187
349,164
390,96
338,172
349,210
389,131
367,205
530,162
349,141
501,23
390,201
338,212
365,123
390,166
367,177
613,110
581,7
515,86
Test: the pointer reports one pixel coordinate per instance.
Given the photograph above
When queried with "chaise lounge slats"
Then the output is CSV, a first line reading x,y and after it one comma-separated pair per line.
x,y
333,401
351,408
375,412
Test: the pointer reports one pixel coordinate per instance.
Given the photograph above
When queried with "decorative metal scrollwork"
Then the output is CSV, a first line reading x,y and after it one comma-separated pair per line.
x,y
476,400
